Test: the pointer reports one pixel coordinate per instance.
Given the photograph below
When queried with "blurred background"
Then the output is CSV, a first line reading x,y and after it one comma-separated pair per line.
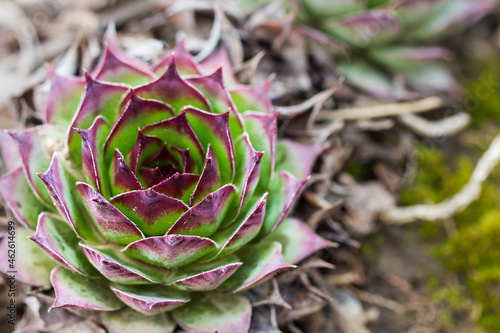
x,y
338,67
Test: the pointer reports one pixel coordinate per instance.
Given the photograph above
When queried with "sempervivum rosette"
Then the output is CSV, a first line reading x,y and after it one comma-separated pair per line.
x,y
158,190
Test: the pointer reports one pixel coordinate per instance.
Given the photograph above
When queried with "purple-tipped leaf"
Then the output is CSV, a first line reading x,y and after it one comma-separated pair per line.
x,y
184,61
367,78
149,300
298,240
56,238
170,250
255,99
61,185
152,212
31,265
296,158
209,180
9,152
76,291
119,268
283,192
204,218
219,59
137,114
110,221
213,129
122,177
178,186
260,262
114,67
36,146
170,88
19,197
93,155
63,99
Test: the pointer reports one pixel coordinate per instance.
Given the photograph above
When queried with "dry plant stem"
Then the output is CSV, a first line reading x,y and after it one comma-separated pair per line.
x,y
435,129
383,110
470,192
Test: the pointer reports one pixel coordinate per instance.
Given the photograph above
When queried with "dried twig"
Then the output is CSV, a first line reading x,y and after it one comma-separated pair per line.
x,y
470,192
434,129
383,110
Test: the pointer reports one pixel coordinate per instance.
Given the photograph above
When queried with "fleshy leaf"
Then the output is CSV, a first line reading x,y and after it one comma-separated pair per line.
x,y
154,213
99,98
170,88
216,60
204,218
178,186
213,129
260,262
150,300
243,230
113,67
431,77
60,242
61,186
262,130
19,197
122,177
63,99
212,86
298,240
111,222
119,268
207,276
9,152
368,78
137,114
215,313
145,147
170,250
247,98
76,291
209,180
31,265
177,131
283,192
184,61
327,9
296,158
93,155
36,146
130,321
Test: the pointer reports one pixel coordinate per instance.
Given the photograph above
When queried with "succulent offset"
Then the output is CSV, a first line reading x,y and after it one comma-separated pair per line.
x,y
159,189
390,38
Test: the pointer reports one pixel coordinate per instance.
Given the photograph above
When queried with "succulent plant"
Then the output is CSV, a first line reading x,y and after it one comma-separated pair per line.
x,y
156,191
388,38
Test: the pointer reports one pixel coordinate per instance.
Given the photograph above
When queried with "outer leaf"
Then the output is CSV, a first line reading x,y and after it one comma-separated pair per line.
x,y
260,262
170,88
216,60
36,146
111,222
205,218
31,265
212,86
151,300
215,313
9,152
19,197
184,61
60,242
296,158
170,250
76,291
431,77
327,9
262,131
93,155
61,186
114,67
298,240
247,98
122,177
154,213
130,321
119,268
283,192
63,98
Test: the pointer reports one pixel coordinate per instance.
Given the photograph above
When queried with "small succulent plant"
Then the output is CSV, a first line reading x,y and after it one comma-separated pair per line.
x,y
391,36
156,191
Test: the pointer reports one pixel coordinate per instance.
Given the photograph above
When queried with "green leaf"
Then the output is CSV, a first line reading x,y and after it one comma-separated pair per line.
x,y
215,313
130,321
